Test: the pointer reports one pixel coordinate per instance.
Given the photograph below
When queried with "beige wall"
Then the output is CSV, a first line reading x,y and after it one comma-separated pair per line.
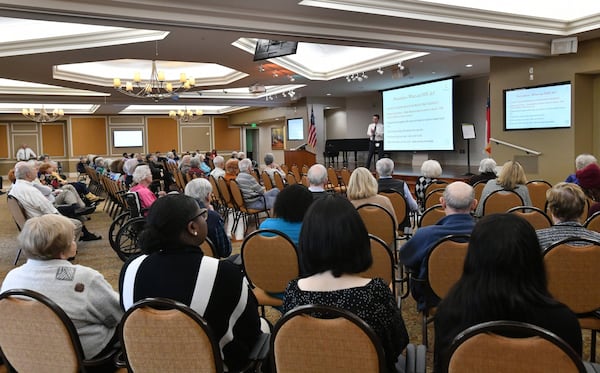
x,y
559,147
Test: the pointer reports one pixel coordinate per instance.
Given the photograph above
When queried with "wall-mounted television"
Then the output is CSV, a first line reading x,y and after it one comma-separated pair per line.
x,y
539,107
128,138
419,117
295,129
266,49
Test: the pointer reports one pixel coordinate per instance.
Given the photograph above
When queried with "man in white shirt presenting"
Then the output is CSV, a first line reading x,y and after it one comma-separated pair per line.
x,y
25,153
375,133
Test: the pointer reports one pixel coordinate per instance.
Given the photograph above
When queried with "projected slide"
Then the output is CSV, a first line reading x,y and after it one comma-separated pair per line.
x,y
419,117
547,106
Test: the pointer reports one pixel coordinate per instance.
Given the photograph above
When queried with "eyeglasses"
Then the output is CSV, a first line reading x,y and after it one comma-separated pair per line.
x,y
203,213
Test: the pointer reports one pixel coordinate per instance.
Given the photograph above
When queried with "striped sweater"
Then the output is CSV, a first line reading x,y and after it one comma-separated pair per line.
x,y
215,289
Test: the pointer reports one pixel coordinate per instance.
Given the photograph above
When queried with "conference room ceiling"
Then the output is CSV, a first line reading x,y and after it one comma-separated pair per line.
x,y
337,39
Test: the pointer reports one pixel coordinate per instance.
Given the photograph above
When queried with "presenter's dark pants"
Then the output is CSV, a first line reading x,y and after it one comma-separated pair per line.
x,y
374,148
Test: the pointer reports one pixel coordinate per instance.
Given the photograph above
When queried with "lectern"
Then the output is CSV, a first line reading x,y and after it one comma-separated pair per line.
x,y
299,157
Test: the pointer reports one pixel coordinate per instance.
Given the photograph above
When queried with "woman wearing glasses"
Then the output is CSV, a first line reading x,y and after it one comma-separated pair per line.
x,y
173,266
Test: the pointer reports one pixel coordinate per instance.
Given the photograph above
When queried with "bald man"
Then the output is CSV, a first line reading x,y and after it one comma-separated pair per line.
x,y
458,201
317,179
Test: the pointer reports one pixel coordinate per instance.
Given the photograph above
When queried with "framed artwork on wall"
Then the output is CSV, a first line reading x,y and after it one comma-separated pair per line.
x,y
277,139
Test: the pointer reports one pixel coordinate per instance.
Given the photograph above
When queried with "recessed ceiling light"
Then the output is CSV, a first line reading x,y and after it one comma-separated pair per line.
x,y
469,65
328,94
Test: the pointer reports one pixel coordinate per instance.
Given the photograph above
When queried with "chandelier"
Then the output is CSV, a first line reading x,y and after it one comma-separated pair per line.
x,y
43,116
186,115
156,88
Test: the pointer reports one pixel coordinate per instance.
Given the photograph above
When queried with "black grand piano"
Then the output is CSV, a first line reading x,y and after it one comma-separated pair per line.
x,y
334,147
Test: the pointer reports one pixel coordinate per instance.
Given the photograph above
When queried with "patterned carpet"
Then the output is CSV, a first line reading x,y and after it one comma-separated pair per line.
x,y
100,256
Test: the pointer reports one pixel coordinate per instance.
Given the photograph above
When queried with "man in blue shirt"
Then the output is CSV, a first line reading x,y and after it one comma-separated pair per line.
x,y
458,201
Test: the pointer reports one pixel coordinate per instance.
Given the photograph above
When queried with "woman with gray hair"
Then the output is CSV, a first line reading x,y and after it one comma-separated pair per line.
x,y
271,167
142,178
430,170
487,171
200,189
581,162
82,292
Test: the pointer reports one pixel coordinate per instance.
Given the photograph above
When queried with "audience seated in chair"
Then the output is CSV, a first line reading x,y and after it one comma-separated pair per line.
x,y
255,196
231,169
34,202
195,171
271,167
566,202
290,206
317,179
589,181
48,175
362,189
334,249
142,178
503,279
458,202
200,190
430,171
173,266
487,171
511,177
82,292
219,170
385,168
581,162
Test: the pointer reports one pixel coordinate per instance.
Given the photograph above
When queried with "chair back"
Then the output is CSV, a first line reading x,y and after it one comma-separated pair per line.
x,y
571,266
345,175
431,216
400,208
379,222
284,168
305,181
334,181
279,184
216,193
486,348
593,222
339,342
266,179
236,195
208,248
435,184
224,191
535,216
433,197
270,260
383,262
304,169
537,192
500,201
445,263
478,189
295,171
37,335
586,208
290,178
161,335
17,211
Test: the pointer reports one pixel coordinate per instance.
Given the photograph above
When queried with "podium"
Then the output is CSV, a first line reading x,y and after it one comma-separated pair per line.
x,y
299,157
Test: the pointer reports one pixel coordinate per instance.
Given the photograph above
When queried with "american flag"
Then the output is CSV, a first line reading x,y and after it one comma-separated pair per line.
x,y
312,130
